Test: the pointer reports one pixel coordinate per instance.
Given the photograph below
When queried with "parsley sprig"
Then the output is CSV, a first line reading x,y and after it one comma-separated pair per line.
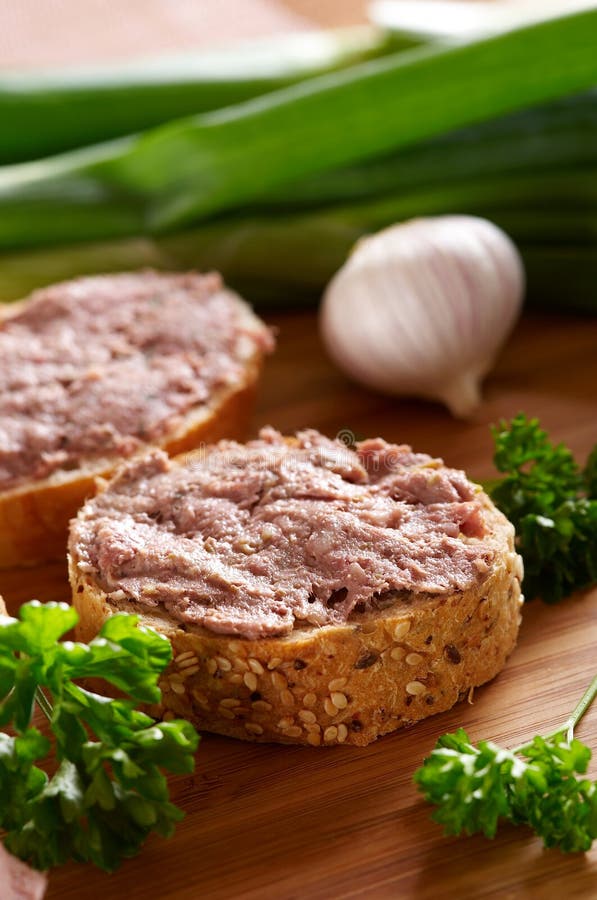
x,y
107,791
552,504
476,785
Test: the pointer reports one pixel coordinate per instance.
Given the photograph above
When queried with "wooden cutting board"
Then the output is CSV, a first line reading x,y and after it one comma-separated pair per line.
x,y
266,821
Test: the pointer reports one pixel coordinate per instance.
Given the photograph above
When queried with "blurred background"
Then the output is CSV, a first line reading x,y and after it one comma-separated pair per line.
x,y
45,32
371,113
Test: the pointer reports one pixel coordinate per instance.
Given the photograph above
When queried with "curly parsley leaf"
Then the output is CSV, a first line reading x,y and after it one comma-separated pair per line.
x,y
552,504
476,785
551,799
107,790
467,783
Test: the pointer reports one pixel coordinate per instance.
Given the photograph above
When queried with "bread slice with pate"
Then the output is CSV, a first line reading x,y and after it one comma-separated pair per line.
x,y
312,593
95,369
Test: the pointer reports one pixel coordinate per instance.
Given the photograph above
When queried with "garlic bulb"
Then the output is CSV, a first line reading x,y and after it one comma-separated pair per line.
x,y
423,307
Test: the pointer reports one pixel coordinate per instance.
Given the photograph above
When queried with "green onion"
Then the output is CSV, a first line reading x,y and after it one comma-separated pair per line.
x,y
194,168
282,259
560,135
563,278
46,112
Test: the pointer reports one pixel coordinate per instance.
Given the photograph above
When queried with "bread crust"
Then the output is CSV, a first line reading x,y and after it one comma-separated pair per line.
x,y
335,684
34,516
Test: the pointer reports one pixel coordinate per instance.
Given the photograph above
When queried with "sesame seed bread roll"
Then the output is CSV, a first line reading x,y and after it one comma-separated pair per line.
x,y
312,593
94,370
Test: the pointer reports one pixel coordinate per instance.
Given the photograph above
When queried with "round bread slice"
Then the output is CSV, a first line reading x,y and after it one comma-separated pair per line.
x,y
65,341
312,593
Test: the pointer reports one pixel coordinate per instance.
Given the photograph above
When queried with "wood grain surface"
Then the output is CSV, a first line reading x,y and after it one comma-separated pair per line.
x,y
265,821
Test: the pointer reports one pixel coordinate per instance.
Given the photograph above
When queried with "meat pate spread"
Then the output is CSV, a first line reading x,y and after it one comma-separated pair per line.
x,y
95,367
252,539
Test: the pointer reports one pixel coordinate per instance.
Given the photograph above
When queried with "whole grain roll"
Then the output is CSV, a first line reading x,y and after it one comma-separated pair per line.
x,y
312,593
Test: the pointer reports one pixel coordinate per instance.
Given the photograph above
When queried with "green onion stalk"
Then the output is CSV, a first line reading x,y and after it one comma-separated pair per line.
x,y
275,191
286,259
194,169
44,112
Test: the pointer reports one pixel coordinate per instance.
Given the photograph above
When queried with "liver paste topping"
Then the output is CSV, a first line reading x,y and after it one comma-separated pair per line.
x,y
97,366
253,539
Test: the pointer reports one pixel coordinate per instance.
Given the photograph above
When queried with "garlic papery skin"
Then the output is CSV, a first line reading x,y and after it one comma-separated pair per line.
x,y
422,308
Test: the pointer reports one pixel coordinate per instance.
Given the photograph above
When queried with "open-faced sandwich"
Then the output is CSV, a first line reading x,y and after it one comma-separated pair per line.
x,y
312,593
94,369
